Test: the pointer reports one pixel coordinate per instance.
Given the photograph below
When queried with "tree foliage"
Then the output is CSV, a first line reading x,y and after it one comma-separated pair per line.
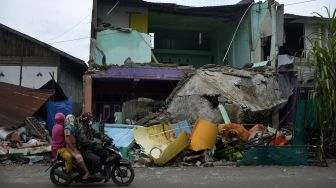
x,y
322,57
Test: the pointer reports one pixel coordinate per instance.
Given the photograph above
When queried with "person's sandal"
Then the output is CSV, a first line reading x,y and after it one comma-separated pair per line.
x,y
74,174
86,177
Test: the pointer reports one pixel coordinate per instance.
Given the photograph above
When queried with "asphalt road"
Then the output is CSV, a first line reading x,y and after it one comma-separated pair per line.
x,y
229,176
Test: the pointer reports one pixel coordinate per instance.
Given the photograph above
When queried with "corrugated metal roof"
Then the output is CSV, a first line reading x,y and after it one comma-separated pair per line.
x,y
17,103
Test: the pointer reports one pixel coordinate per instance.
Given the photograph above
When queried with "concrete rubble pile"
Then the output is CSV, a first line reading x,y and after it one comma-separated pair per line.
x,y
211,118
29,143
246,95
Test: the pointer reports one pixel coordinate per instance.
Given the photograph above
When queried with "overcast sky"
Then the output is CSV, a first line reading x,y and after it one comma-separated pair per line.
x,y
54,21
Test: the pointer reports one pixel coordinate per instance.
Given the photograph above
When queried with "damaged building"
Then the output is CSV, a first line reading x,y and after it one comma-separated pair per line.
x,y
185,35
180,85
223,74
143,49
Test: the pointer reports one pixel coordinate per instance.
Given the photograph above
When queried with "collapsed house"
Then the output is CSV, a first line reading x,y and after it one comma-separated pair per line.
x,y
145,45
26,118
144,53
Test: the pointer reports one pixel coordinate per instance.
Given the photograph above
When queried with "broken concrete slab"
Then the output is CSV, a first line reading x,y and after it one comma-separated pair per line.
x,y
193,107
256,95
31,150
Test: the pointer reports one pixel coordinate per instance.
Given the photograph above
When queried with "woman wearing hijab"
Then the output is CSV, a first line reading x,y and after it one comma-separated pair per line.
x,y
70,132
58,144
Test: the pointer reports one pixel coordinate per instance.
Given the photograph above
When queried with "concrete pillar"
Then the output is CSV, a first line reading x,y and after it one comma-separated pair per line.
x,y
274,42
275,119
87,88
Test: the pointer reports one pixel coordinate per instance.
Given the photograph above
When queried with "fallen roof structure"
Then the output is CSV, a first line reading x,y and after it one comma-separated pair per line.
x,y
18,102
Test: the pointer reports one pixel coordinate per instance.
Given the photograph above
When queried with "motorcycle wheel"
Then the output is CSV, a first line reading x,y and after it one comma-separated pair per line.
x,y
122,175
57,180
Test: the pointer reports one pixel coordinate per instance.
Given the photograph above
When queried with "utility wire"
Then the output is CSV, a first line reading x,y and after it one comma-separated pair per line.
x,y
299,2
234,34
75,39
69,40
109,12
73,27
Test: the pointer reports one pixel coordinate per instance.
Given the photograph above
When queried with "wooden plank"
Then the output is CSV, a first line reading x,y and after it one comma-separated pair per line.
x,y
32,60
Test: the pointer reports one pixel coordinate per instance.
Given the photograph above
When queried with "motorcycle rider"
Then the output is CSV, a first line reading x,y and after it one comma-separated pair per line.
x,y
58,143
70,132
87,144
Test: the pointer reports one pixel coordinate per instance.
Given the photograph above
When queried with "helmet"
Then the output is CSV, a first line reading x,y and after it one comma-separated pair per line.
x,y
86,117
59,117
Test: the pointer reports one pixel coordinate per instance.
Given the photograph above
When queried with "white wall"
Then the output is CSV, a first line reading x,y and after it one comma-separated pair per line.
x,y
119,17
310,32
11,74
30,75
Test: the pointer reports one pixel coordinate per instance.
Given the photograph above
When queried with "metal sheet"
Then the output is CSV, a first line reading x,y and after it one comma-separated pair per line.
x,y
122,134
141,73
260,64
17,103
182,126
285,59
159,143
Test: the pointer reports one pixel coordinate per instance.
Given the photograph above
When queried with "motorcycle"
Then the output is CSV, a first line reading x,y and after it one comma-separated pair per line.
x,y
112,167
